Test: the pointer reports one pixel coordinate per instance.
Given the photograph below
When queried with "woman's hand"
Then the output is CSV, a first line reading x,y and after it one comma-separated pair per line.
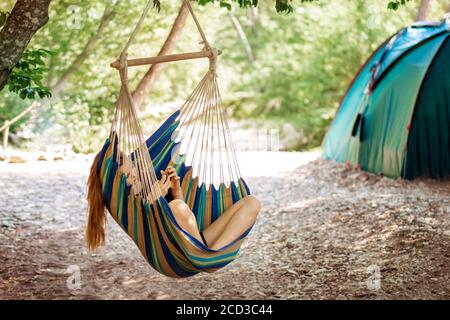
x,y
174,183
164,183
169,180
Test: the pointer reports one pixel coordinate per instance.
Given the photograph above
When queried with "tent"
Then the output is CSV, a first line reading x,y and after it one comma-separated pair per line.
x,y
395,116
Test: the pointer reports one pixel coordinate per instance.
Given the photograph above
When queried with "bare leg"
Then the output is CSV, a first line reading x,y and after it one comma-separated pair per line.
x,y
232,223
185,218
213,231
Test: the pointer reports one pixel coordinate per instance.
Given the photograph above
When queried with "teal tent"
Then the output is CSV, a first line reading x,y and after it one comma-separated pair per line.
x,y
395,117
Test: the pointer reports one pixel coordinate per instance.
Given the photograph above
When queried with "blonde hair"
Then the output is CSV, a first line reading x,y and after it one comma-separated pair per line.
x,y
95,230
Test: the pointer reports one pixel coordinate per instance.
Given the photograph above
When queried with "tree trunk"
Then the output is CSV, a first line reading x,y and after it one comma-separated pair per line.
x,y
27,17
424,8
143,88
90,45
253,15
242,36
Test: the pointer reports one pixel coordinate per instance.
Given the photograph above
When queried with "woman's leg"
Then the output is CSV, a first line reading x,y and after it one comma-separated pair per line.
x,y
233,222
185,218
230,225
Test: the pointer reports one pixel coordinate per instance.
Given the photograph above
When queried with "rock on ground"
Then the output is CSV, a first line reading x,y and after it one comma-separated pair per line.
x,y
325,232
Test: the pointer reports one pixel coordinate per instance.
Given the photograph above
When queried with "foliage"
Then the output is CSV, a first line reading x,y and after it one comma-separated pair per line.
x,y
3,17
27,76
81,113
302,62
286,6
7,113
300,72
394,5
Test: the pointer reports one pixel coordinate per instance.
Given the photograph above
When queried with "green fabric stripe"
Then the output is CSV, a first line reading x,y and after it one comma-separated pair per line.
x,y
153,237
135,216
216,259
120,195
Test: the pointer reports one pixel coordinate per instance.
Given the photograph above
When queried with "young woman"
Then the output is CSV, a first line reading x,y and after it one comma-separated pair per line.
x,y
227,228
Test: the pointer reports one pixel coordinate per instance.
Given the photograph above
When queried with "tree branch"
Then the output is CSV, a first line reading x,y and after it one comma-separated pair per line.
x,y
424,8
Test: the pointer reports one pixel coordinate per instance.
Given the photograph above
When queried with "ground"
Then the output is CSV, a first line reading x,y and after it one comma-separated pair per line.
x,y
325,232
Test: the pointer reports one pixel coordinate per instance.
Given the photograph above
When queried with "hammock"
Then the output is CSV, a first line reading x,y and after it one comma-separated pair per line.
x,y
196,140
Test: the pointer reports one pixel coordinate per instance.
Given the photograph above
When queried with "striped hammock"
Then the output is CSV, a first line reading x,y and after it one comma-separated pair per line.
x,y
152,226
196,141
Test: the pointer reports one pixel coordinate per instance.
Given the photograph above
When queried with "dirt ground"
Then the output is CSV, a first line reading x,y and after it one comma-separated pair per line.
x,y
325,232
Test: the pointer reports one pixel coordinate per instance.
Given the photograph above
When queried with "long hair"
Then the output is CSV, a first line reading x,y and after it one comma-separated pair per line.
x,y
95,231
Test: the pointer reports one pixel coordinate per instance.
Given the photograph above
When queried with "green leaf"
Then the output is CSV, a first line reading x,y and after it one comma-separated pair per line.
x,y
394,5
3,18
26,78
23,94
224,4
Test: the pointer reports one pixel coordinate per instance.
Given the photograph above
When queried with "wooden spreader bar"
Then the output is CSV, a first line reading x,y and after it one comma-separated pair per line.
x,y
166,58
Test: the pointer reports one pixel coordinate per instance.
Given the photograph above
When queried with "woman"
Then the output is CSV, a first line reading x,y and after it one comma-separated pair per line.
x,y
227,228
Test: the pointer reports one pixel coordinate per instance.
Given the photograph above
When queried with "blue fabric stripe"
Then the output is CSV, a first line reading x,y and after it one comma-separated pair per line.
x,y
164,161
234,192
247,189
214,204
102,155
110,181
147,237
125,194
156,151
116,143
156,135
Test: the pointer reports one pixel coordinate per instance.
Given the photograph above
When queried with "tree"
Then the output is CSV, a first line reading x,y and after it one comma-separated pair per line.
x,y
27,17
242,35
276,81
143,88
424,8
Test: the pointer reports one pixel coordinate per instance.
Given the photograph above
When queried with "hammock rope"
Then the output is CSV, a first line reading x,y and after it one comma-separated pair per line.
x,y
131,139
205,134
199,27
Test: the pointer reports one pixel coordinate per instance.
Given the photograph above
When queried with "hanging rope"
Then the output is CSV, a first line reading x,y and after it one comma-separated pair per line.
x,y
129,132
131,144
137,28
144,15
204,134
199,27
